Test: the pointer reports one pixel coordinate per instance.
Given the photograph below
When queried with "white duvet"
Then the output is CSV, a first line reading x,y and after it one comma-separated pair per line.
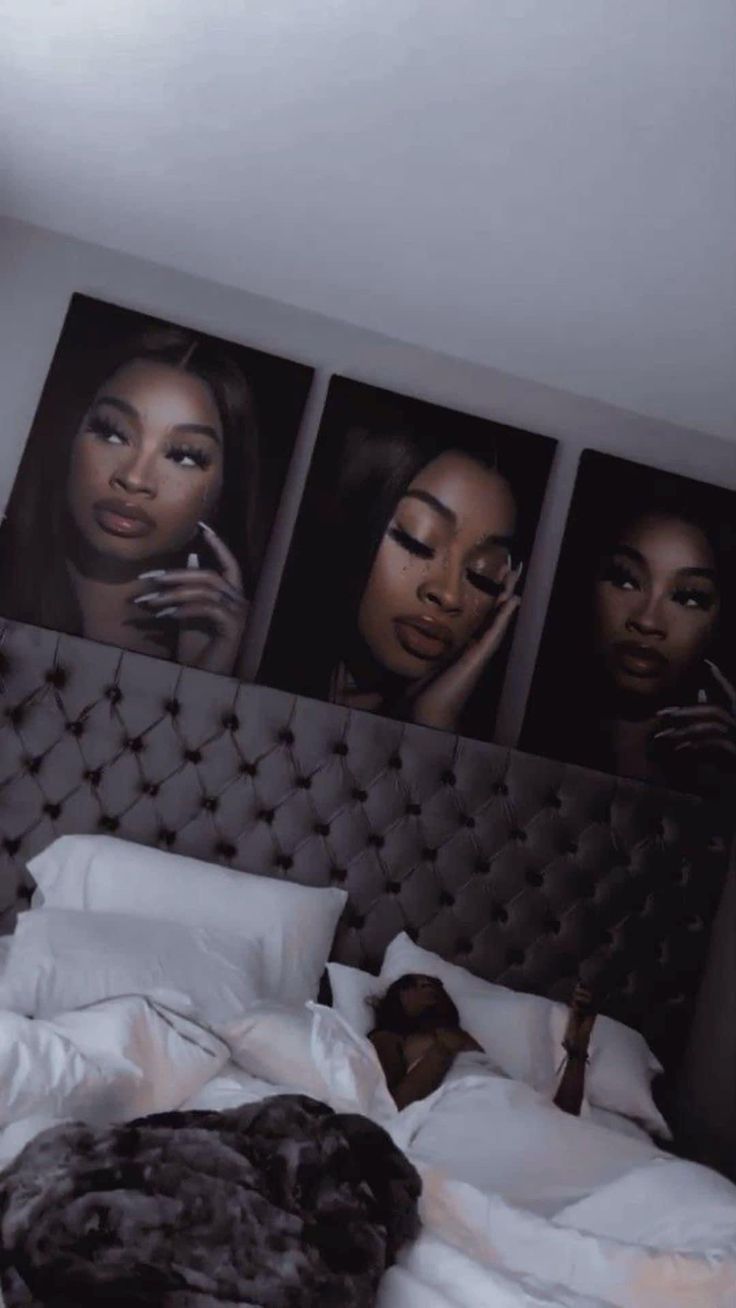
x,y
522,1205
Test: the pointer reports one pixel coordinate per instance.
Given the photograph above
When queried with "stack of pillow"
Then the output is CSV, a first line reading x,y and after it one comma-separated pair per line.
x,y
111,918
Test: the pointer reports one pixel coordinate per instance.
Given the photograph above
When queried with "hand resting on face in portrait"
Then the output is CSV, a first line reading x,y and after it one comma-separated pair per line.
x,y
440,595
417,1036
658,602
147,466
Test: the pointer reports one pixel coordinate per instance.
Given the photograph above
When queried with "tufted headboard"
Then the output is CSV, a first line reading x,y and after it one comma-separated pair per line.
x,y
524,870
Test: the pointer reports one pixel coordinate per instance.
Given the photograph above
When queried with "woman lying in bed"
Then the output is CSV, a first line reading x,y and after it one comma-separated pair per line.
x,y
417,1037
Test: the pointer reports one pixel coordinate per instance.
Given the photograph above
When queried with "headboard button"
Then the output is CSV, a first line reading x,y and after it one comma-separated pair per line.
x,y
340,749
533,877
210,803
231,722
286,737
57,677
413,810
193,755
115,694
53,810
376,840
11,845
515,957
304,783
322,828
449,778
109,822
395,762
360,795
248,769
172,707
499,914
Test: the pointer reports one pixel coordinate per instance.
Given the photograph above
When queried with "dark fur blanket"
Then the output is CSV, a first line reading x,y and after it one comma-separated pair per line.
x,y
282,1203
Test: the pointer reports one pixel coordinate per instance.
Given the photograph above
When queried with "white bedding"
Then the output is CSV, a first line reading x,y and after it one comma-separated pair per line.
x,y
522,1205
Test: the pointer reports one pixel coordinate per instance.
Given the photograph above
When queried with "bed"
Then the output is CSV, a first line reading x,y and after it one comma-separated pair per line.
x,y
518,872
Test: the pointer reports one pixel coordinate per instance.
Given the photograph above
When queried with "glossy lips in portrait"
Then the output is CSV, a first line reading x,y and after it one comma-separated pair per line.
x,y
439,570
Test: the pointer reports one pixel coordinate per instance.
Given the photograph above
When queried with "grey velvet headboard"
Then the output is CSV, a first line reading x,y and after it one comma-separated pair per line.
x,y
524,870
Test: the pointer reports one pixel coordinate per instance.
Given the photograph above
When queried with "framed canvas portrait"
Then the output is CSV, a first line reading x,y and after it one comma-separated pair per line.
x,y
405,568
637,663
148,486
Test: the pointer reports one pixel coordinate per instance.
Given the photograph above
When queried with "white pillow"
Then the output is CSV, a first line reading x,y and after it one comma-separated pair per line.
x,y
509,1027
312,1050
620,1072
103,874
61,959
522,1034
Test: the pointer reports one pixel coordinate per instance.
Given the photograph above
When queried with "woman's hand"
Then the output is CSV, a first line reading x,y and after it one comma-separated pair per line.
x,y
701,728
210,607
455,1041
440,703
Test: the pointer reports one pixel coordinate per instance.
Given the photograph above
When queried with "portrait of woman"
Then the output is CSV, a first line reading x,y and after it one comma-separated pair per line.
x,y
636,669
406,563
142,504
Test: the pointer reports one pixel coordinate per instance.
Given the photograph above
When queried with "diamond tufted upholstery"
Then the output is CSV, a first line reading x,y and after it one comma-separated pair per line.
x,y
524,870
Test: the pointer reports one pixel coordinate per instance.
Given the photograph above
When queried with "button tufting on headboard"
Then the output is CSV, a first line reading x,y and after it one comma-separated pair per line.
x,y
522,869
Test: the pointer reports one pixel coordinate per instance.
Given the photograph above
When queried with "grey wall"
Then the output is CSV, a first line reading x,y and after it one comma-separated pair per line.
x,y
39,270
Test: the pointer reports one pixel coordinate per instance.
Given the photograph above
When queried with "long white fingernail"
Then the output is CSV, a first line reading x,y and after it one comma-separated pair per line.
x,y
148,576
204,527
659,734
165,613
192,560
145,599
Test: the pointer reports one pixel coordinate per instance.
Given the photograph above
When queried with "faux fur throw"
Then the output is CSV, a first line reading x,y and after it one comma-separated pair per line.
x,y
279,1204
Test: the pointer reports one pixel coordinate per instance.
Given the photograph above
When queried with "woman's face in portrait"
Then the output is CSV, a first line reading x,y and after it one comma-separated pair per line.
x,y
656,604
439,568
146,463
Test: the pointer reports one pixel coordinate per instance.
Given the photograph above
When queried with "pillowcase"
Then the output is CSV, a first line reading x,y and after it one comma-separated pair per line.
x,y
521,1034
104,874
509,1028
620,1072
61,959
312,1050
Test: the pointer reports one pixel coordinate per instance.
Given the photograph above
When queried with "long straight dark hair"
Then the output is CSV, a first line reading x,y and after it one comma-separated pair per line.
x,y
34,581
328,570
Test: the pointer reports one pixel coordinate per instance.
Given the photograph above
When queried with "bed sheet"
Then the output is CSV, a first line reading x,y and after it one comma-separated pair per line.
x,y
522,1206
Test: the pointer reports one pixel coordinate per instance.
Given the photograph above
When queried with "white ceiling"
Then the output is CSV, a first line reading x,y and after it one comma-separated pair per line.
x,y
547,186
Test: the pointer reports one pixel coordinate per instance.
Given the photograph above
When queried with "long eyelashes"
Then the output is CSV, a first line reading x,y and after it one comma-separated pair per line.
x,y
689,597
618,575
107,431
410,543
486,584
104,429
422,551
694,599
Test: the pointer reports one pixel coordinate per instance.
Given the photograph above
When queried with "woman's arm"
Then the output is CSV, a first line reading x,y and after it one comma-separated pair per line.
x,y
425,1076
580,1022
